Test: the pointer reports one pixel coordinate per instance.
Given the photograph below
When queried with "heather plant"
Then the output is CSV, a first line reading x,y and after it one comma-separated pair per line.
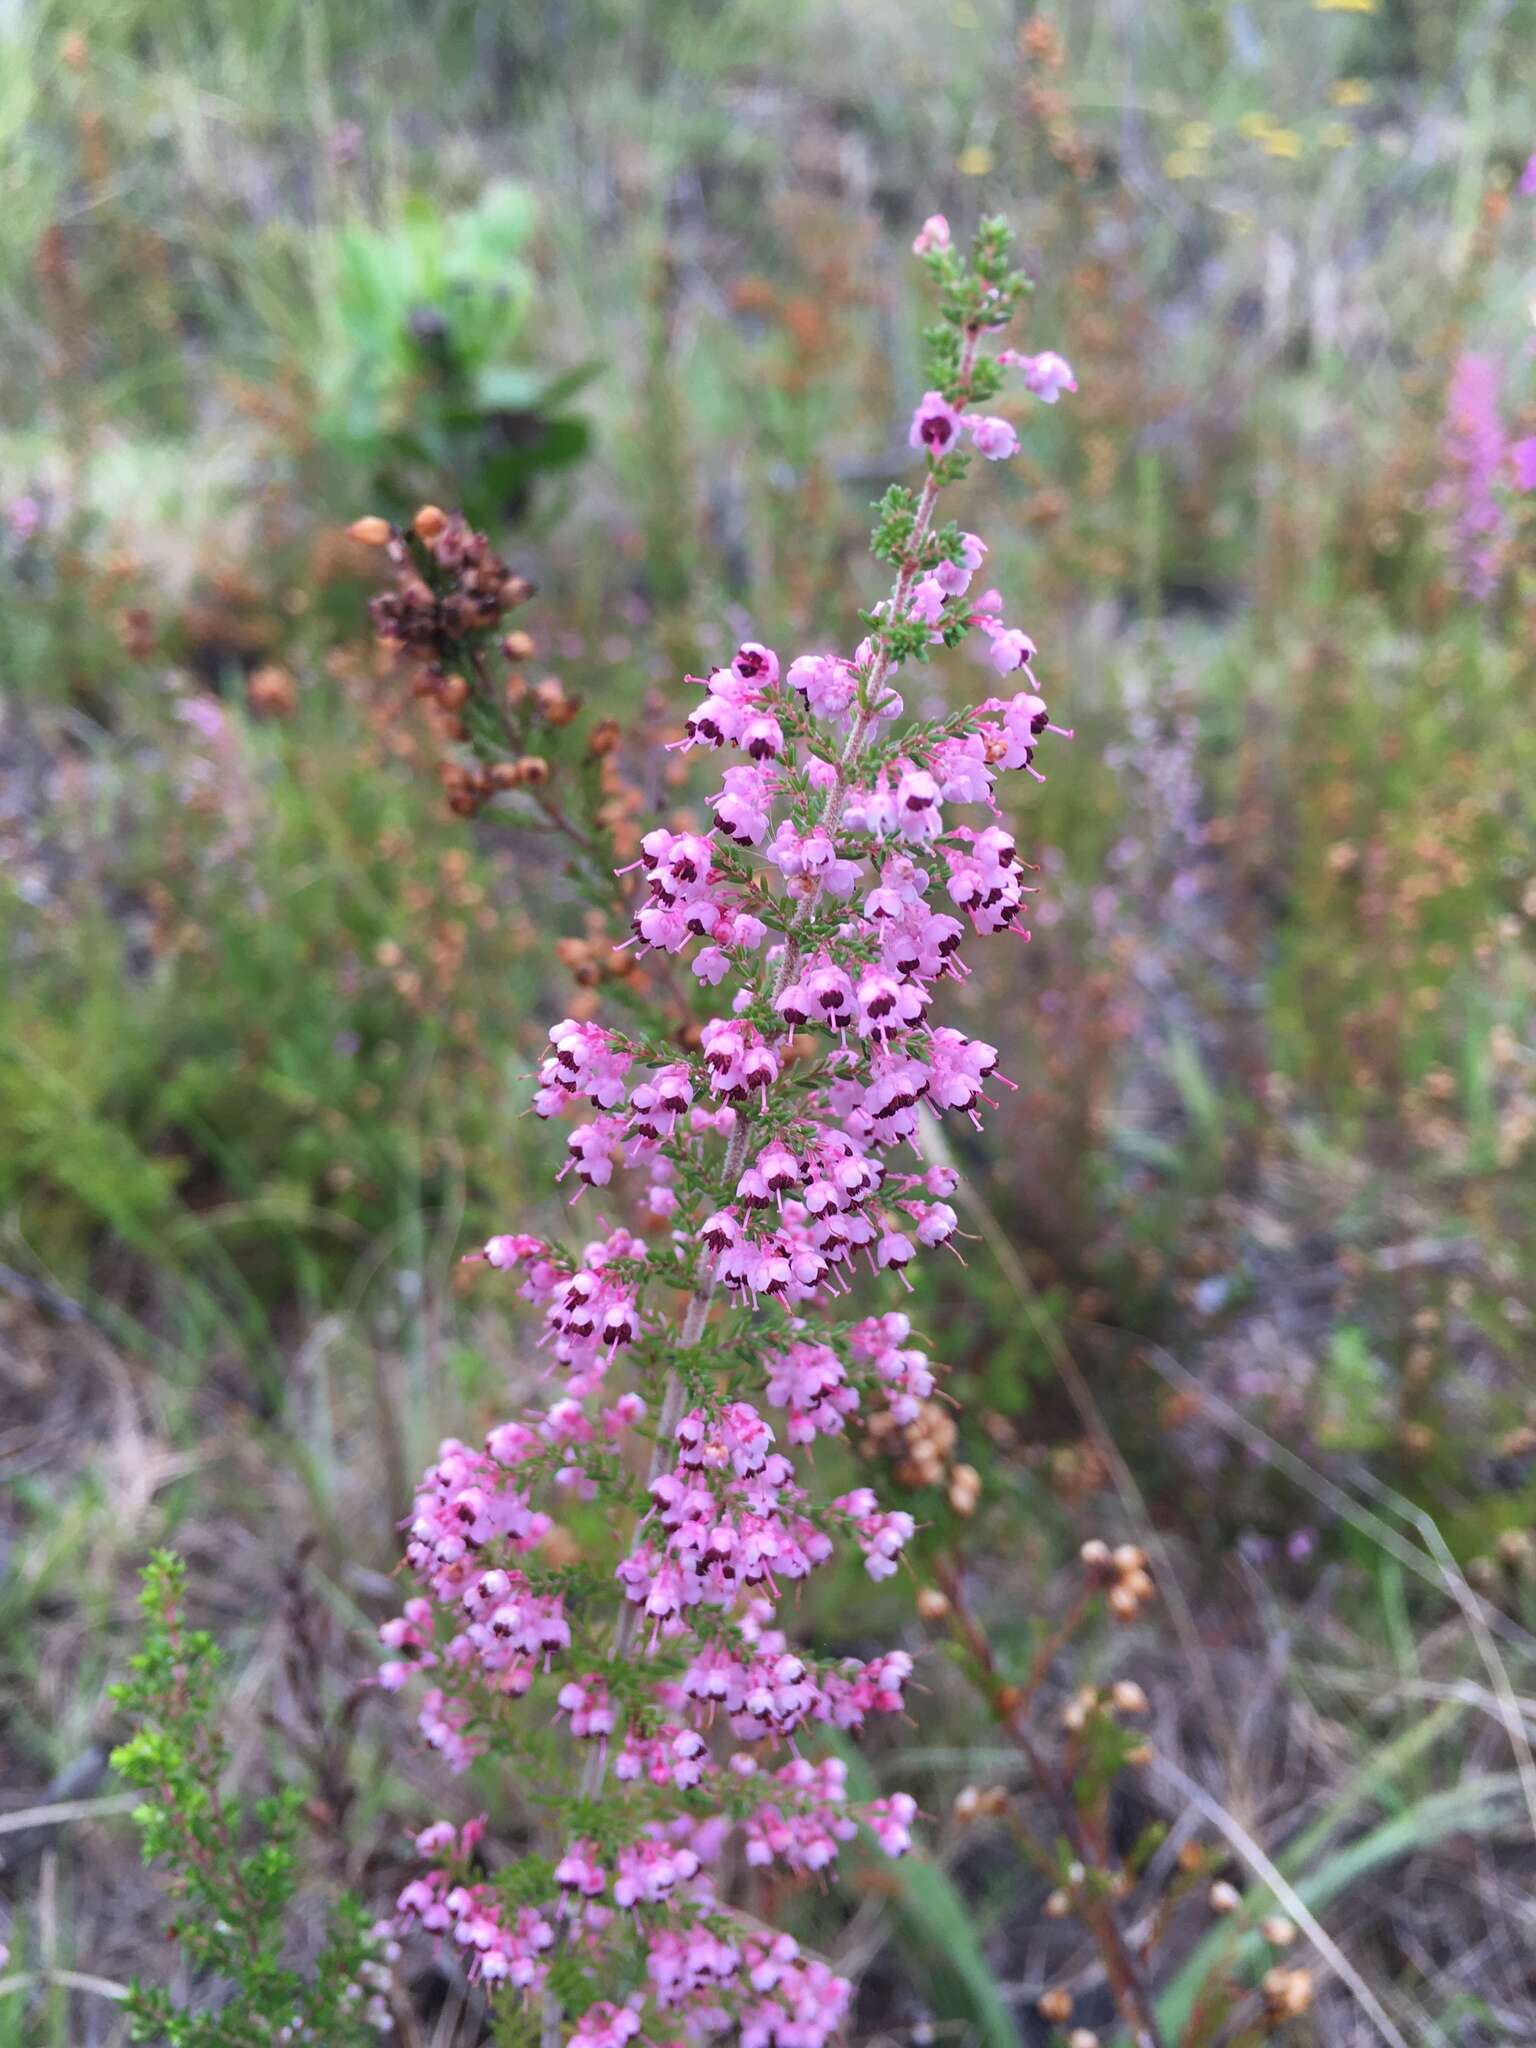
x,y
233,1875
772,1150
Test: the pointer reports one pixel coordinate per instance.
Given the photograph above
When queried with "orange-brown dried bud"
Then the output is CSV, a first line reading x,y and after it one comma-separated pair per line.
x,y
533,770
517,646
552,702
453,693
1055,2006
272,692
505,775
430,523
515,590
604,738
371,532
1287,1993
932,1603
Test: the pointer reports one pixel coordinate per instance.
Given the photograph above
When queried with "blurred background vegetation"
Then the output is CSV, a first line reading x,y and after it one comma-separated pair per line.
x,y
1253,1281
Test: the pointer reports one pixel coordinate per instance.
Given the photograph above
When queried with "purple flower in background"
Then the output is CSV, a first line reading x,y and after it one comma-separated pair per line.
x,y
1528,178
23,516
1473,449
1522,460
1300,1544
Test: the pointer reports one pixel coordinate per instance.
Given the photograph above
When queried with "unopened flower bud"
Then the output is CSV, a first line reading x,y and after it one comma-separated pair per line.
x,y
1095,1554
371,532
1128,1696
517,646
1058,1905
932,1604
1278,1931
1223,1897
533,770
1055,2006
429,523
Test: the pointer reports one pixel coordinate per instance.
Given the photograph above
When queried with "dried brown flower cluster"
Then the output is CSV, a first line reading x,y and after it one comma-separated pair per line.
x,y
446,613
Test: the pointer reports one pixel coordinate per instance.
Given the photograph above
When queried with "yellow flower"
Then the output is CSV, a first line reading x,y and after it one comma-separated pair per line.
x,y
1196,135
1349,92
1282,142
1336,135
1255,126
1183,163
974,161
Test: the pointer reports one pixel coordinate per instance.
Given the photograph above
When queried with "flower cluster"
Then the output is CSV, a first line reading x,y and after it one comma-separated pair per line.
x,y
780,1154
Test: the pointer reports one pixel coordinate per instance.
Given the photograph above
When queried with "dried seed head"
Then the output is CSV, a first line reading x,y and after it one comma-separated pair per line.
x,y
1287,1993
1123,1603
552,703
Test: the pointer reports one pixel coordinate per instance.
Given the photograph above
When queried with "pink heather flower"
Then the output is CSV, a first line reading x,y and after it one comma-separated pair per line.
x,y
954,578
934,233
935,424
1047,375
1522,457
848,863
993,438
1473,449
890,1821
